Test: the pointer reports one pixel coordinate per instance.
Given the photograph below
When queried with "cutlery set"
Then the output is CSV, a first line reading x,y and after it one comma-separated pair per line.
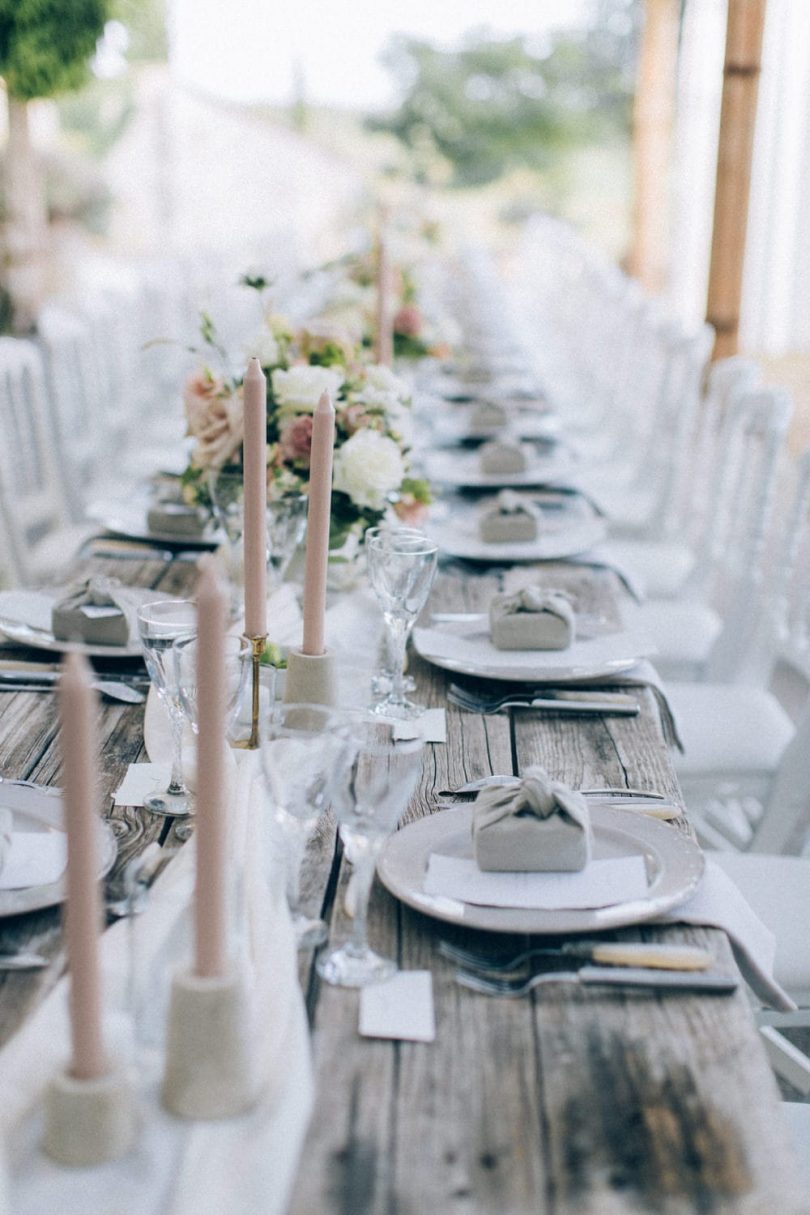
x,y
128,687
556,700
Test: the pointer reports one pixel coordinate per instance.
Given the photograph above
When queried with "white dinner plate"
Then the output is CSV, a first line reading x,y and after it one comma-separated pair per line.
x,y
457,428
36,809
674,865
462,469
25,618
566,534
130,521
589,658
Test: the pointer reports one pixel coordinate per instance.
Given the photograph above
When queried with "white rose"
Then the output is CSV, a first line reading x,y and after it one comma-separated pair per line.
x,y
264,347
368,467
396,412
301,387
382,379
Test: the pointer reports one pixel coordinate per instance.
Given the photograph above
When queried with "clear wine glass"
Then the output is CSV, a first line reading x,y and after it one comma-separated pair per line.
x,y
286,524
401,569
160,624
383,677
378,778
227,490
238,656
302,749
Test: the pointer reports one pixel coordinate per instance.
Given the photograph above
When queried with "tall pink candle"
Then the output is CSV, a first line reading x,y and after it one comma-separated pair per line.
x,y
318,516
77,713
385,335
210,833
255,472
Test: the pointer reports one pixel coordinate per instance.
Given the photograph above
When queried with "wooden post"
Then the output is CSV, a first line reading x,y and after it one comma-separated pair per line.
x,y
746,22
653,115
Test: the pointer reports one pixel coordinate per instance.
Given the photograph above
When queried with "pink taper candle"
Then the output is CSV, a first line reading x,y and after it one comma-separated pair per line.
x,y
210,833
255,472
385,334
318,516
77,712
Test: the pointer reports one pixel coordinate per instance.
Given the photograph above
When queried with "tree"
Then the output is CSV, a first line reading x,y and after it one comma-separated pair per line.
x,y
45,46
497,104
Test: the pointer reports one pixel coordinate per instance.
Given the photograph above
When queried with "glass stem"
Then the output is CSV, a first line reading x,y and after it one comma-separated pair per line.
x,y
296,846
176,784
398,641
363,877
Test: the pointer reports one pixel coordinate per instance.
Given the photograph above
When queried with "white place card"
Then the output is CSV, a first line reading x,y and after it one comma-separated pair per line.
x,y
432,726
140,782
35,858
600,884
401,1008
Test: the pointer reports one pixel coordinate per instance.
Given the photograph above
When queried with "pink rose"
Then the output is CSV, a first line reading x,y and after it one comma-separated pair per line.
x,y
354,418
410,511
215,419
295,440
408,321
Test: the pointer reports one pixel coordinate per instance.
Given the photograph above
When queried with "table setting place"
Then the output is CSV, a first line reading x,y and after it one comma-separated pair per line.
x,y
350,779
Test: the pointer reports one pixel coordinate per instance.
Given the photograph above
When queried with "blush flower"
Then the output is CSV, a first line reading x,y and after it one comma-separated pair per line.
x,y
215,419
295,440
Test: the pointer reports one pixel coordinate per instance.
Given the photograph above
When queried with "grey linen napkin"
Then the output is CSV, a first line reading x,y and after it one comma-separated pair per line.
x,y
100,592
535,825
533,619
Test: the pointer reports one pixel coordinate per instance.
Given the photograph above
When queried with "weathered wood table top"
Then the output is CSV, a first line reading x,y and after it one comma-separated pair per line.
x,y
570,1101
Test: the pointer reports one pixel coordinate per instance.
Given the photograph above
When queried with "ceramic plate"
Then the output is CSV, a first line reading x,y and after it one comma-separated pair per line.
x,y
39,809
674,866
566,535
131,523
462,469
589,658
25,618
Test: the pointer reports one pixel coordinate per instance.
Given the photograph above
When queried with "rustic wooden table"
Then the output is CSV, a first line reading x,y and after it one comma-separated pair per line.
x,y
570,1101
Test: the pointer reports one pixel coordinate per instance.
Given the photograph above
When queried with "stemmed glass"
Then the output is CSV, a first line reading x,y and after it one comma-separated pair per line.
x,y
379,776
302,749
401,569
160,624
238,653
286,524
383,677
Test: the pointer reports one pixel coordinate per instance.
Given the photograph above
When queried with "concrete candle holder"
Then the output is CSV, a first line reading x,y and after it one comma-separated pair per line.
x,y
89,1121
311,678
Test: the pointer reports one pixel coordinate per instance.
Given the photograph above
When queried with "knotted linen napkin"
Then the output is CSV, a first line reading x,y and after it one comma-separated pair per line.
x,y
503,457
100,611
534,618
538,825
511,518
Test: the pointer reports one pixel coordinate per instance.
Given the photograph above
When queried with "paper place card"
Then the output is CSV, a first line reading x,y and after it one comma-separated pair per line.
x,y
599,884
432,726
401,1008
35,858
140,782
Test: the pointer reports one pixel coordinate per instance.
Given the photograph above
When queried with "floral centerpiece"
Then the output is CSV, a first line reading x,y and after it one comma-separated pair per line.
x,y
372,413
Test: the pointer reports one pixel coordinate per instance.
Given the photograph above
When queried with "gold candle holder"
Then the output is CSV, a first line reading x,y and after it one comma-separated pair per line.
x,y
258,645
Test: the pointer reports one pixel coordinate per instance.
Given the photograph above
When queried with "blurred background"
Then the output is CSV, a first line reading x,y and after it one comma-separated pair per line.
x,y
141,128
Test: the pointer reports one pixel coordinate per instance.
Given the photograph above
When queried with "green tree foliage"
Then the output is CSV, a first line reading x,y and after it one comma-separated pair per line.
x,y
494,104
45,44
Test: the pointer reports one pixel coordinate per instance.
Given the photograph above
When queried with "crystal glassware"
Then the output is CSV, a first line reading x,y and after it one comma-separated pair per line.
x,y
238,655
383,677
302,749
286,525
376,783
401,569
160,624
227,490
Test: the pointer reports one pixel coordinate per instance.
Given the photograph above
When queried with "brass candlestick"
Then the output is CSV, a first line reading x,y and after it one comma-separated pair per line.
x,y
258,645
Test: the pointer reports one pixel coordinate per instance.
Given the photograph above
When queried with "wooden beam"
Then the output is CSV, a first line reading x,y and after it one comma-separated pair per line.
x,y
653,115
746,22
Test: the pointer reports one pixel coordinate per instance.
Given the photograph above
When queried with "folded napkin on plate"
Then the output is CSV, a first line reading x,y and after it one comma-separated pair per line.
x,y
539,825
176,519
512,518
532,619
178,1166
100,611
487,415
503,457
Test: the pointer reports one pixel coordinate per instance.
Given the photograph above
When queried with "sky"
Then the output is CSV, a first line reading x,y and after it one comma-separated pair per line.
x,y
247,50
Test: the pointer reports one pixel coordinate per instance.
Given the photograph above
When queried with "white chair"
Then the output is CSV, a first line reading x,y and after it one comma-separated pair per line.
x,y
705,634
40,536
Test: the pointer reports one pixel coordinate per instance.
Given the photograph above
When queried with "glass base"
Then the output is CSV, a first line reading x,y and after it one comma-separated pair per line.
x,y
172,805
402,710
381,684
309,933
346,967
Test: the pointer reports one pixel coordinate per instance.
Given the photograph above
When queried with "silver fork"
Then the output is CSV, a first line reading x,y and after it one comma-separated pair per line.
x,y
601,976
618,703
610,953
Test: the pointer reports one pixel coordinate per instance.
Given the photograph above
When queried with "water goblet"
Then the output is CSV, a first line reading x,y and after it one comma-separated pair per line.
x,y
378,778
286,524
238,656
160,624
401,569
383,677
301,751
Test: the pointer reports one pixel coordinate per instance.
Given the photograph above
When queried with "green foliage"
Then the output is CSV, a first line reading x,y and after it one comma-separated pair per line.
x,y
494,105
45,44
146,24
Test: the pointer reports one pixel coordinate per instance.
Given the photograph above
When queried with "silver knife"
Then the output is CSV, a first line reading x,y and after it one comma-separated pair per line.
x,y
22,961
